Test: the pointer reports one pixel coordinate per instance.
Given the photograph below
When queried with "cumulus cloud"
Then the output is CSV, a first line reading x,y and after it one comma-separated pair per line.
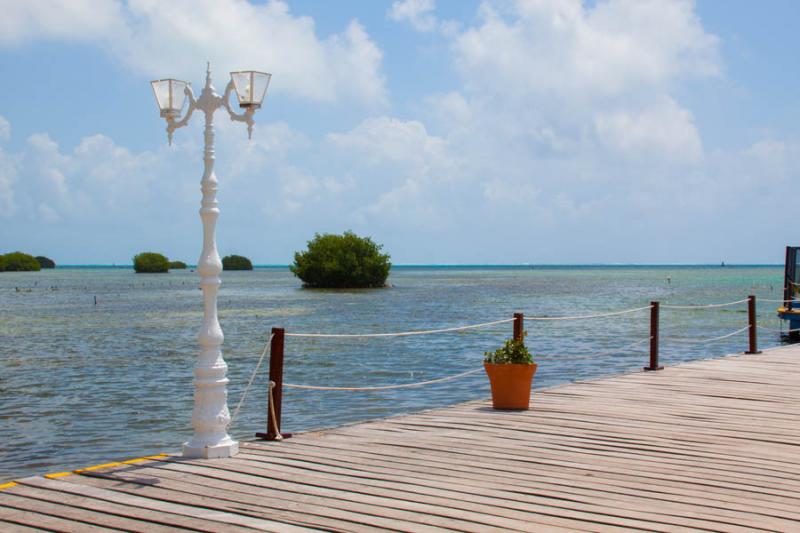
x,y
174,39
661,131
617,47
5,129
418,13
79,20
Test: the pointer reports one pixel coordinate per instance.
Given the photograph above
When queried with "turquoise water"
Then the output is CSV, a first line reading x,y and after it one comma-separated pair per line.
x,y
82,383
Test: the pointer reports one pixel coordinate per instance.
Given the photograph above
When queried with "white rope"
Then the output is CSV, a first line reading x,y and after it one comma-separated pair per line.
x,y
385,387
582,317
400,334
701,341
777,330
597,354
252,377
775,301
272,416
708,306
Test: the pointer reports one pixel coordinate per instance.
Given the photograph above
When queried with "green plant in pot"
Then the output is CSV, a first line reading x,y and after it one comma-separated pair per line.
x,y
510,369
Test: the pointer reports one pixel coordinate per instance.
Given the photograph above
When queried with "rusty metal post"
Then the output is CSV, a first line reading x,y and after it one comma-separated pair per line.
x,y
519,325
654,308
276,395
751,317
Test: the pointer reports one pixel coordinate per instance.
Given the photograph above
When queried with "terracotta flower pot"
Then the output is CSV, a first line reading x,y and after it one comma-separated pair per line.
x,y
511,385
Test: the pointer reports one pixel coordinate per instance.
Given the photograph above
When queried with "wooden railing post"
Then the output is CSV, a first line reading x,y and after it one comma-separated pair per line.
x,y
751,317
654,307
276,377
519,325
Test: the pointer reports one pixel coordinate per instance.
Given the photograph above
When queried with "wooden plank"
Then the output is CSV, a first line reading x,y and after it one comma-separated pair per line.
x,y
42,521
212,518
25,501
8,527
144,519
519,500
577,484
351,491
592,495
246,502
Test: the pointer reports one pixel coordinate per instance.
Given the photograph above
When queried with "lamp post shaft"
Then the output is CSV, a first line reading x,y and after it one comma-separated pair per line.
x,y
210,417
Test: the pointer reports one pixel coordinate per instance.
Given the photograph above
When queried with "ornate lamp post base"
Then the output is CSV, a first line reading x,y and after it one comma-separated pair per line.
x,y
227,448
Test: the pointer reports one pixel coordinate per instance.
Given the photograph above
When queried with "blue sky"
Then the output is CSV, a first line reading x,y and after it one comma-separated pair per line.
x,y
541,131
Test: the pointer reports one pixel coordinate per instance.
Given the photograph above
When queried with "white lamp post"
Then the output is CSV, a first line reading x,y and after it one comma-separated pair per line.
x,y
210,417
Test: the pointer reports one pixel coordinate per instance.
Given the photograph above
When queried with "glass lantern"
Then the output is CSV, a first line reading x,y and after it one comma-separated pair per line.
x,y
251,86
170,96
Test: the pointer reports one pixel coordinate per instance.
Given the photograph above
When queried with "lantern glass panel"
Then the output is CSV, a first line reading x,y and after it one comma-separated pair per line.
x,y
170,95
251,86
178,94
161,91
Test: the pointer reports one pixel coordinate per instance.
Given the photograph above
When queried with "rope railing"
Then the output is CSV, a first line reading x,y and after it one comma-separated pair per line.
x,y
706,306
775,301
384,387
786,331
621,349
252,378
399,334
585,317
703,341
276,347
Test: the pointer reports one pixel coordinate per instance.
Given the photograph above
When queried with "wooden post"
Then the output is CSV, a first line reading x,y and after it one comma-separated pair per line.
x,y
275,376
519,325
654,338
751,317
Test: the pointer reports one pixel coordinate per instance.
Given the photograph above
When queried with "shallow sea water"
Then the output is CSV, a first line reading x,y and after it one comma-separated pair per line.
x,y
84,383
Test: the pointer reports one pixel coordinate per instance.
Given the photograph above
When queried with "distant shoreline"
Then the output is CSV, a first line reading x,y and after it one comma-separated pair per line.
x,y
484,267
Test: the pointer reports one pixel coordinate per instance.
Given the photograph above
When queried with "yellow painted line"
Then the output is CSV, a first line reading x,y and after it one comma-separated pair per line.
x,y
145,458
57,475
134,461
96,467
8,485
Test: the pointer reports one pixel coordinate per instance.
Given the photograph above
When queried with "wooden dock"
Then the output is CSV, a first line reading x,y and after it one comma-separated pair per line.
x,y
712,445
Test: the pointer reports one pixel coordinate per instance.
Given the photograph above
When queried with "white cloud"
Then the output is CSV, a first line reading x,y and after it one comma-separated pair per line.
x,y
5,129
97,177
8,173
418,13
663,131
80,20
390,139
8,178
176,38
554,47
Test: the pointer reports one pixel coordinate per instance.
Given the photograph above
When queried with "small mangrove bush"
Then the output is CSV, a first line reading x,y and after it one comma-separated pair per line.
x,y
236,262
150,263
18,262
177,265
45,262
341,262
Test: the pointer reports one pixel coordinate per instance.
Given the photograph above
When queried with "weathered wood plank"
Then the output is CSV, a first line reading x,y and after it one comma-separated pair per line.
x,y
207,519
